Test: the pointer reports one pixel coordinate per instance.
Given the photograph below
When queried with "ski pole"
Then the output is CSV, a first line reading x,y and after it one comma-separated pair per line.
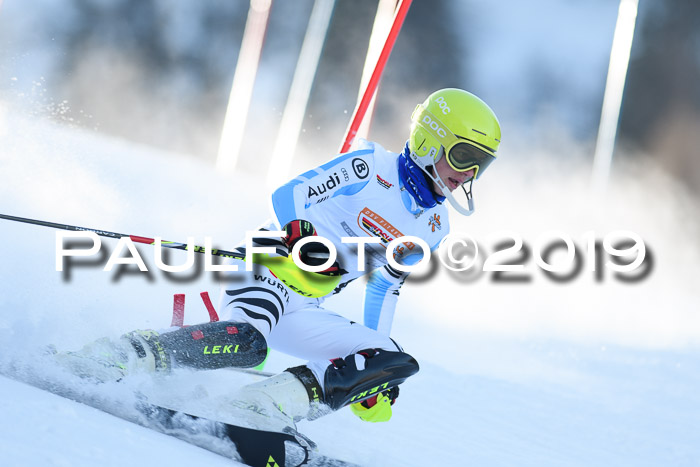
x,y
305,283
373,82
133,238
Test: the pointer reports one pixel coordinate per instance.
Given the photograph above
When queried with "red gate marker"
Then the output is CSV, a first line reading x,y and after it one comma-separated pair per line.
x,y
213,316
373,82
178,310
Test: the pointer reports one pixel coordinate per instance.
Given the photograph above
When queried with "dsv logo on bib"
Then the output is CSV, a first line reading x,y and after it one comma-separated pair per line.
x,y
434,126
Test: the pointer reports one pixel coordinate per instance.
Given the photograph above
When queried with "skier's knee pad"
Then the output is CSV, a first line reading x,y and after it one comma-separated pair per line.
x,y
364,374
215,345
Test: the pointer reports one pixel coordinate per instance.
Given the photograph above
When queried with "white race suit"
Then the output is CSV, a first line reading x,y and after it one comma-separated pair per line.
x,y
357,194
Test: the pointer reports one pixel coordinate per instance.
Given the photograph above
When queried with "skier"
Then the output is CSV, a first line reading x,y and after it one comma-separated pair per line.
x,y
369,192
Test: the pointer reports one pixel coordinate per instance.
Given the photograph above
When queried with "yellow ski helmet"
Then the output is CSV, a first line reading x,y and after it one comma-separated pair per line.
x,y
460,126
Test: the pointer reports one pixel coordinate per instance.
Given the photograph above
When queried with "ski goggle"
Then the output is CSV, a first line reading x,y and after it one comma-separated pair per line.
x,y
463,155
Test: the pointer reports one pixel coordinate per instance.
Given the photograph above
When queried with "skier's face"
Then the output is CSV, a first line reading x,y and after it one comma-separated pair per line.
x,y
450,177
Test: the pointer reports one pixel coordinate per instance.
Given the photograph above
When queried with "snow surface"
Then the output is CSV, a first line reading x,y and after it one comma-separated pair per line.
x,y
536,374
41,428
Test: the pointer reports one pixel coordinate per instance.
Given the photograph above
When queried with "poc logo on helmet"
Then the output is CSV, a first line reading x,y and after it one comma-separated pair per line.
x,y
434,126
443,105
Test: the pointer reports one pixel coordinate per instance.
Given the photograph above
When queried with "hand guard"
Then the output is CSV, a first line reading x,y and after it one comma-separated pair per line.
x,y
377,408
314,253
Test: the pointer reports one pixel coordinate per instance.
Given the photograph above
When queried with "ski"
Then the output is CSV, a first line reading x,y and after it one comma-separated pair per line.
x,y
254,447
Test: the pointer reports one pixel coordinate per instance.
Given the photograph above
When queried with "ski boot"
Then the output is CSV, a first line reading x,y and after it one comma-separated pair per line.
x,y
108,360
279,402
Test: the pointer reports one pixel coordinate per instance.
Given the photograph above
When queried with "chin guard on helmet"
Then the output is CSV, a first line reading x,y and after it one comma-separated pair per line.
x,y
461,199
466,206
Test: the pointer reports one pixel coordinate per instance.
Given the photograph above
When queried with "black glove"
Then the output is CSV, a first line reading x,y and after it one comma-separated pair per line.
x,y
313,253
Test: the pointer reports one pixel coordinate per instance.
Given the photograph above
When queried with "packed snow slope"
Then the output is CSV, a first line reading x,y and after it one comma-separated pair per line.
x,y
537,373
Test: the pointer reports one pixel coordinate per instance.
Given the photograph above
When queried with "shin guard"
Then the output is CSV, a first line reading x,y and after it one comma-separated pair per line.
x,y
215,345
